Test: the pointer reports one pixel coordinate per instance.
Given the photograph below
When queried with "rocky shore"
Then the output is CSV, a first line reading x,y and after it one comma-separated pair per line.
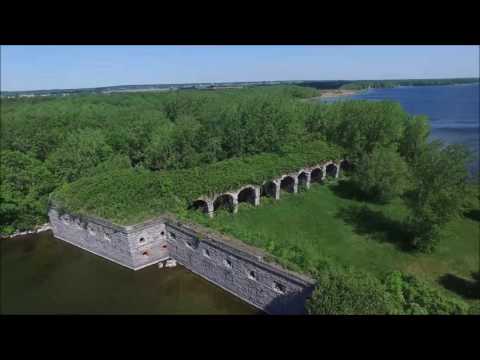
x,y
36,230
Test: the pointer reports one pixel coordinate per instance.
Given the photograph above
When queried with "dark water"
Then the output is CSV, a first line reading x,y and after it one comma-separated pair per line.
x,y
453,111
43,275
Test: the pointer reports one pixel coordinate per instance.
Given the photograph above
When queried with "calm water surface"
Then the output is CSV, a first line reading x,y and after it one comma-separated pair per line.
x,y
43,275
453,111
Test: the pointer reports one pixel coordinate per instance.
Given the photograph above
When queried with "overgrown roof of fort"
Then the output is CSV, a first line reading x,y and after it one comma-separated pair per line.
x,y
128,196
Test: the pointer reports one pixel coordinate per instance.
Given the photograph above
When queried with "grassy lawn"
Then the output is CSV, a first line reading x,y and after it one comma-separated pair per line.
x,y
326,222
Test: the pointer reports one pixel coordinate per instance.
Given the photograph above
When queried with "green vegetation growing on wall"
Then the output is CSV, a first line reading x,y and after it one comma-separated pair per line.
x,y
132,195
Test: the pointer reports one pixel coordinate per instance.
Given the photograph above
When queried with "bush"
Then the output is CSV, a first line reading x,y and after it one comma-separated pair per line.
x,y
417,297
475,308
381,175
347,292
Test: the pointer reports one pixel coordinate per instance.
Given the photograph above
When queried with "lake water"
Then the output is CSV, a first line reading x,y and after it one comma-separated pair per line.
x,y
453,111
44,275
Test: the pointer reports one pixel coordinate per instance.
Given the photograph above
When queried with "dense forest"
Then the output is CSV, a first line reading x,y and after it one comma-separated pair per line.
x,y
127,157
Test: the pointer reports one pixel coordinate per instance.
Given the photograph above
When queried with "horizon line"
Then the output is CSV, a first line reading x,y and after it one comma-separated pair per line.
x,y
246,82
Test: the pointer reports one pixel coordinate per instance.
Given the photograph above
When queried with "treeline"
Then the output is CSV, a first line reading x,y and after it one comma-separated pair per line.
x,y
365,84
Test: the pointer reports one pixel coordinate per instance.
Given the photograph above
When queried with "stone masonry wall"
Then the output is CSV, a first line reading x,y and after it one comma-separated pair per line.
x,y
134,246
241,271
232,265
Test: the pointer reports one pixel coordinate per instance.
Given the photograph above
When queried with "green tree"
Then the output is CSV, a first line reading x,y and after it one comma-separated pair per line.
x,y
25,185
360,126
160,152
186,141
80,152
439,191
381,175
414,137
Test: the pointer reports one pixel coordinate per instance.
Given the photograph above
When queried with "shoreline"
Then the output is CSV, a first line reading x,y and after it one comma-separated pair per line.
x,y
333,93
37,230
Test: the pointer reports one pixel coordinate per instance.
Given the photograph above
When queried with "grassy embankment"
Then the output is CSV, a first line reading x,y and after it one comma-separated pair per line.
x,y
328,222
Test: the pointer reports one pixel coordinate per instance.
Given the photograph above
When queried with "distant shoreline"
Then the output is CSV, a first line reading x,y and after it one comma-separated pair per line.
x,y
334,93
330,93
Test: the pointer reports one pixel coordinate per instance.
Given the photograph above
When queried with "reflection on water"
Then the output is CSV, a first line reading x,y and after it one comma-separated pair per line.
x,y
43,275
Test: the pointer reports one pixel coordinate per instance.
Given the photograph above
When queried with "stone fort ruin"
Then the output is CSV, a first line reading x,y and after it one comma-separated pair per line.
x,y
242,270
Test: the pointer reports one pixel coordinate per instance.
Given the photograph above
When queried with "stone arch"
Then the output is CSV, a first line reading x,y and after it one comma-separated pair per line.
x,y
224,201
316,175
331,170
247,194
199,205
288,183
303,180
269,189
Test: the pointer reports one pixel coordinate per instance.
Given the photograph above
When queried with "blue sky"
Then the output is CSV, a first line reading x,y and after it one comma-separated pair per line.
x,y
58,67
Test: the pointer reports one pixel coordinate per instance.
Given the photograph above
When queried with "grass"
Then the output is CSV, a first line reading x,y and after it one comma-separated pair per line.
x,y
327,222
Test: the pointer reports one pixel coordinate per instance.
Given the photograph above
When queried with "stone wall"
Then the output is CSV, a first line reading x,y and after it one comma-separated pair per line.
x,y
289,182
134,246
228,263
239,269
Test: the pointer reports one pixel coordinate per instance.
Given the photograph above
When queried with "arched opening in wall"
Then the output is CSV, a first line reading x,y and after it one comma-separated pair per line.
x,y
331,170
287,184
268,189
199,205
346,167
223,202
247,195
316,175
302,181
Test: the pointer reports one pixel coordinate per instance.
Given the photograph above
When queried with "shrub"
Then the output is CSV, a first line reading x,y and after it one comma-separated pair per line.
x,y
347,292
416,297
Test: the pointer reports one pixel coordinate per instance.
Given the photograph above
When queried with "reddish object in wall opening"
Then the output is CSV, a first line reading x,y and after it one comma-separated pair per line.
x,y
145,253
164,246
